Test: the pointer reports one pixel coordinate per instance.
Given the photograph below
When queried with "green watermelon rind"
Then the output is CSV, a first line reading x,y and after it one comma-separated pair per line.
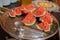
x,y
42,29
31,23
11,15
40,15
47,30
44,21
38,27
18,14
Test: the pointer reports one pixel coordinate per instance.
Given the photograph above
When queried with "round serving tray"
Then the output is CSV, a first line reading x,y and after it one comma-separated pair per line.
x,y
8,24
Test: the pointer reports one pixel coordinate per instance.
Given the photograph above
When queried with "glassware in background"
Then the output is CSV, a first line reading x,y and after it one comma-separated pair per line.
x,y
1,3
13,1
26,2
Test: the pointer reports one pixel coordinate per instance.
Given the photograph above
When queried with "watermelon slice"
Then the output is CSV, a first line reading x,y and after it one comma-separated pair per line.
x,y
18,11
23,9
43,26
29,19
12,13
39,12
47,18
30,7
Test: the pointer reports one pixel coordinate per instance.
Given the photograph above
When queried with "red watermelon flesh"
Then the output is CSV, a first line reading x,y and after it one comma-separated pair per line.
x,y
43,26
23,9
39,12
29,19
18,11
30,7
47,18
12,13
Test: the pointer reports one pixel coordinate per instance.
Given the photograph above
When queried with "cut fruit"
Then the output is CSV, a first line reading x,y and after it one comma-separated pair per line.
x,y
29,19
43,26
24,10
39,12
12,13
30,7
18,11
47,18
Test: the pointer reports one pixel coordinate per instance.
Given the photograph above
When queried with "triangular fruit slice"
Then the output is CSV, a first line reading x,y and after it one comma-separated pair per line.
x,y
12,13
23,9
40,11
43,26
18,11
29,19
30,7
47,18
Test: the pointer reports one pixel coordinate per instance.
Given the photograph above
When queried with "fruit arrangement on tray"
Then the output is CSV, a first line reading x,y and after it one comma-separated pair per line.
x,y
35,17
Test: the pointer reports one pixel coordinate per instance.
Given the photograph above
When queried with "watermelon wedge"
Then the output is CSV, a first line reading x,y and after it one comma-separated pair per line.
x,y
29,19
18,11
47,18
39,12
30,7
23,9
43,26
12,13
